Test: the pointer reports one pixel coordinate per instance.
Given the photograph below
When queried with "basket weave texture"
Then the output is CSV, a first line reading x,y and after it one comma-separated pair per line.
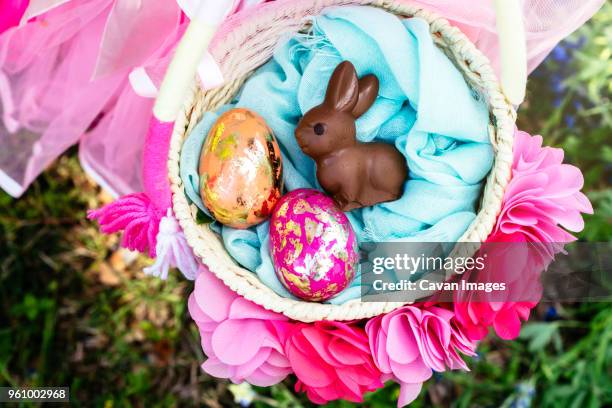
x,y
250,45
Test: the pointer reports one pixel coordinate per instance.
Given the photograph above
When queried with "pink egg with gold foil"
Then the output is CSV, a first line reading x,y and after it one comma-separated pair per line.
x,y
313,247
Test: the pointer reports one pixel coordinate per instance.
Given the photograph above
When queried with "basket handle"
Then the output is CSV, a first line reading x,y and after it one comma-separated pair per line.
x,y
512,49
170,98
189,53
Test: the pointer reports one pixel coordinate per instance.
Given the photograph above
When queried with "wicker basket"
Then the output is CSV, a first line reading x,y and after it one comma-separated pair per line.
x,y
250,45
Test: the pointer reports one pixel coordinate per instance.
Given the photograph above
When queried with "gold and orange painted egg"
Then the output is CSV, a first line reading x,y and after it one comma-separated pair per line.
x,y
240,169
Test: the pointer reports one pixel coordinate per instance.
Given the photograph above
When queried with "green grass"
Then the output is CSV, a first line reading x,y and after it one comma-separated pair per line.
x,y
76,311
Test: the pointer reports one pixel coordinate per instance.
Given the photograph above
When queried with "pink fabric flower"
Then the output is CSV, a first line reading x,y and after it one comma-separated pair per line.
x,y
505,317
242,340
517,263
543,195
331,361
542,198
11,12
410,342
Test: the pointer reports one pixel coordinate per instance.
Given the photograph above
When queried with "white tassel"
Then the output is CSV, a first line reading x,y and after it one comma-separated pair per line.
x,y
172,251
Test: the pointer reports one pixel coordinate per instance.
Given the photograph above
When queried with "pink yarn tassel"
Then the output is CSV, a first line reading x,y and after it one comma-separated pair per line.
x,y
136,216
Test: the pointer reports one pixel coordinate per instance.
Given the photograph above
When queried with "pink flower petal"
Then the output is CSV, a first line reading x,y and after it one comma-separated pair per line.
x,y
347,379
212,296
319,341
248,368
583,203
308,370
408,393
507,324
206,343
401,345
381,355
329,393
216,368
261,378
279,360
196,313
274,371
344,353
350,334
244,309
236,342
362,378
416,371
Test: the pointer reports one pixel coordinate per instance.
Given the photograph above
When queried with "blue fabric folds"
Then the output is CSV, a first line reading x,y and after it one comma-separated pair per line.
x,y
424,107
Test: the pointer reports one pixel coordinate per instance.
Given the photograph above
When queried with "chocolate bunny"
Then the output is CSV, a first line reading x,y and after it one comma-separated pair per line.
x,y
354,174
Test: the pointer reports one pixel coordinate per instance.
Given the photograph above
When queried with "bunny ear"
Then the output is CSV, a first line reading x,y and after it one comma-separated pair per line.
x,y
343,89
368,91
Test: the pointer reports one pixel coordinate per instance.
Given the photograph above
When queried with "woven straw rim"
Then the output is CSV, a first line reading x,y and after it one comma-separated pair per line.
x,y
250,45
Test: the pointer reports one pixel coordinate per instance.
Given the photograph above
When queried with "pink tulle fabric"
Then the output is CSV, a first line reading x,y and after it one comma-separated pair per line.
x,y
11,12
64,80
546,23
64,75
332,360
411,342
243,341
542,198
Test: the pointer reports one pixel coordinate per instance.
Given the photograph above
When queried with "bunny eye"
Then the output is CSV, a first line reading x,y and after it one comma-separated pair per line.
x,y
319,129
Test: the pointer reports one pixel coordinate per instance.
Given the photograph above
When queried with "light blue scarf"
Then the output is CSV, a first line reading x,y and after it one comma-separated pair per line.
x,y
424,107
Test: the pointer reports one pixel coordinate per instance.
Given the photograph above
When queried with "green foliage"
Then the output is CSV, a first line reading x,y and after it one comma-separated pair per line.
x,y
540,334
598,227
594,77
569,103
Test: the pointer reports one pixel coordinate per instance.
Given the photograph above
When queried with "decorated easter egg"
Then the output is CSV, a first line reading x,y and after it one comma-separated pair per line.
x,y
313,246
240,169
